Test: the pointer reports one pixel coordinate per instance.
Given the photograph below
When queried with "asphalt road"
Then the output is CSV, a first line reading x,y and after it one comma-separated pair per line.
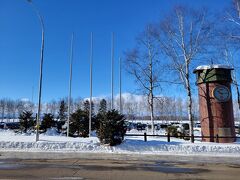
x,y
15,165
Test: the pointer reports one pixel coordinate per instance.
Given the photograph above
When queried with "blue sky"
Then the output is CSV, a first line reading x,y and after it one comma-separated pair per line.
x,y
20,40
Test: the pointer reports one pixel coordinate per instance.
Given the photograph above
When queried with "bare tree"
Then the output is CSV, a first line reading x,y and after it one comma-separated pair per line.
x,y
159,106
19,106
2,108
229,52
77,104
47,107
168,109
142,63
229,35
237,6
142,106
179,106
9,108
128,107
117,102
236,110
184,37
22,105
233,15
195,109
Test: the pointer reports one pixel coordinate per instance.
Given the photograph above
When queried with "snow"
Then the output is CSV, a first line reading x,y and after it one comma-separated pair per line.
x,y
213,66
53,142
51,132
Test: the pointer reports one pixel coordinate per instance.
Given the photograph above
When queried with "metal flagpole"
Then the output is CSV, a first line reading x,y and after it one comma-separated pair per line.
x,y
91,61
70,85
32,93
120,85
112,70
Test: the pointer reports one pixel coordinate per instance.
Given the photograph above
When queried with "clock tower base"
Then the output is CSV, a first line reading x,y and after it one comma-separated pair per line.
x,y
215,103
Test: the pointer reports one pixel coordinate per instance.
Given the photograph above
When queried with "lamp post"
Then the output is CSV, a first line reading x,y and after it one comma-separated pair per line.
x,y
41,67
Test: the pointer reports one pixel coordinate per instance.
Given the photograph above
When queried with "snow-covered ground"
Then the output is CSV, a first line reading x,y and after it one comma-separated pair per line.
x,y
52,142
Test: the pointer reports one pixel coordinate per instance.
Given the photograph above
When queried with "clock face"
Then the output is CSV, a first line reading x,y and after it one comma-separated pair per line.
x,y
221,93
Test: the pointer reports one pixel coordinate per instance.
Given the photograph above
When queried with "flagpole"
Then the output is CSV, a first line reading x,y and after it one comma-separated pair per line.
x,y
70,85
120,85
112,71
32,93
91,61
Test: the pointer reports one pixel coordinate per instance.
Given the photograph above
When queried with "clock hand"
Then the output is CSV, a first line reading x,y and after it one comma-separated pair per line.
x,y
220,92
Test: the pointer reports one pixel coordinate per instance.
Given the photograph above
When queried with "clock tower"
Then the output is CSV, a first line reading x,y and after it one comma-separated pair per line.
x,y
215,103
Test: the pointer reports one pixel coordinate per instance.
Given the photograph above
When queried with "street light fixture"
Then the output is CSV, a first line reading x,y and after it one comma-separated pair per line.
x,y
41,67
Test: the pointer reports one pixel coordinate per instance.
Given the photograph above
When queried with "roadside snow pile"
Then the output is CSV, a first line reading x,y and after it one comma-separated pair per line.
x,y
162,147
51,132
9,141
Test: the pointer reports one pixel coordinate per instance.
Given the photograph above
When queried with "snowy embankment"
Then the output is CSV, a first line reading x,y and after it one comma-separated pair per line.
x,y
9,141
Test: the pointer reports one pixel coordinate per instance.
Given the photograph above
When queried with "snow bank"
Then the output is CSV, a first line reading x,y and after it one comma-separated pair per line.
x,y
156,147
51,132
10,141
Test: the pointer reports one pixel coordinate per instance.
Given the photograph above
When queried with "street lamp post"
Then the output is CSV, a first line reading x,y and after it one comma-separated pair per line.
x,y
41,67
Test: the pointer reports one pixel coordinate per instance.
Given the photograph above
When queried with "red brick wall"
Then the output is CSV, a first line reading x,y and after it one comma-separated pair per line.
x,y
216,117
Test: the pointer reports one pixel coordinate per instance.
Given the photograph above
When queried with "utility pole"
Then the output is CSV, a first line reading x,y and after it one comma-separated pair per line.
x,y
70,85
91,61
112,71
41,68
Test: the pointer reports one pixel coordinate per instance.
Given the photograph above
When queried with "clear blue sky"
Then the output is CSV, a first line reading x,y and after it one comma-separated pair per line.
x,y
20,40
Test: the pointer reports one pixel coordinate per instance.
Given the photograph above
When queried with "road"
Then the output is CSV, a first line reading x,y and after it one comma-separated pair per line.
x,y
117,167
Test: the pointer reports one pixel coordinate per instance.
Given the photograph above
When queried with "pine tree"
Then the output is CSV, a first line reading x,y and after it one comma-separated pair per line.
x,y
62,116
48,121
111,128
103,106
86,107
26,120
79,122
62,111
101,112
